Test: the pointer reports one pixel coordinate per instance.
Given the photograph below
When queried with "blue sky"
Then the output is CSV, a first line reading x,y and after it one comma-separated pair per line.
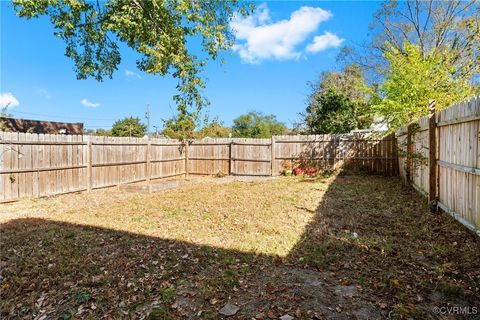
x,y
279,49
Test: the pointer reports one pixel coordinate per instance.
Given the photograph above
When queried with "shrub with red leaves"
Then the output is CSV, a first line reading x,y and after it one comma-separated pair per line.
x,y
311,171
298,171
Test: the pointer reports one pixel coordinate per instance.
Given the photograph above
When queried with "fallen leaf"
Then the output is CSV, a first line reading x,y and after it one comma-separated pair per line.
x,y
229,310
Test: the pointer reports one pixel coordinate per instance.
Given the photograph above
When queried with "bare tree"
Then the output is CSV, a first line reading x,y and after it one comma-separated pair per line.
x,y
434,26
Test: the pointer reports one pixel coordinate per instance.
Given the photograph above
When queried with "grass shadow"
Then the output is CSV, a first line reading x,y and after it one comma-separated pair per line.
x,y
379,237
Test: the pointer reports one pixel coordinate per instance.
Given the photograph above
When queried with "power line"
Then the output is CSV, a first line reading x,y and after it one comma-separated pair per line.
x,y
58,116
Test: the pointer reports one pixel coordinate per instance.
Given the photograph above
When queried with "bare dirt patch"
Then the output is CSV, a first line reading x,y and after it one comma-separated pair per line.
x,y
343,247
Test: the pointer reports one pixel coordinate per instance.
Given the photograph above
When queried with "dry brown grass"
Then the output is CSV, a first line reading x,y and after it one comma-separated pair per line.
x,y
265,217
273,247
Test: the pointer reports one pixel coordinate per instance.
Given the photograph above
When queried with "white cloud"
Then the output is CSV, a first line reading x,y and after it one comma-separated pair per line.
x,y
45,93
8,100
130,73
89,104
258,38
323,42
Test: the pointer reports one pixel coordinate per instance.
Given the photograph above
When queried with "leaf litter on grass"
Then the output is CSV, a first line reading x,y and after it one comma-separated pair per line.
x,y
272,248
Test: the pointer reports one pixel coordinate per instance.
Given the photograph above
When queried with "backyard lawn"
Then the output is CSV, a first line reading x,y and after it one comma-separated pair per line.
x,y
339,247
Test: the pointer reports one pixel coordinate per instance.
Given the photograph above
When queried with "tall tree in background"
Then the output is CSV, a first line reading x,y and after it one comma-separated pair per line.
x,y
158,30
420,50
175,129
213,129
338,102
435,27
129,127
414,79
179,127
330,112
4,113
257,125
98,132
429,50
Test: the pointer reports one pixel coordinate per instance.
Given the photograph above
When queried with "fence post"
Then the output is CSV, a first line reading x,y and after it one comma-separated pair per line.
x,y
335,143
89,165
408,169
230,161
186,157
272,157
147,161
432,156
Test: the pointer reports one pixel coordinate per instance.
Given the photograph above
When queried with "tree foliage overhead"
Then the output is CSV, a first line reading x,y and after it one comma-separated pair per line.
x,y
158,30
257,125
129,127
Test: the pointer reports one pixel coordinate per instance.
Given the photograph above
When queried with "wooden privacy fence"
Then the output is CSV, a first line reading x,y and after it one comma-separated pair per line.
x,y
440,156
36,165
266,157
358,152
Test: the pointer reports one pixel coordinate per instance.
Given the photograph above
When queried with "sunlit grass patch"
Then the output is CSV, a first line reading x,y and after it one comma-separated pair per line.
x,y
266,217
